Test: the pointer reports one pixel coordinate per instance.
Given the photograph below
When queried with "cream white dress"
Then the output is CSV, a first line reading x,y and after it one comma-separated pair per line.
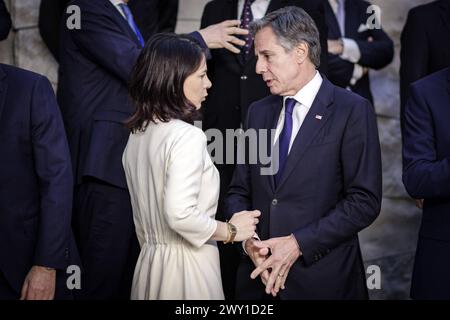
x,y
174,189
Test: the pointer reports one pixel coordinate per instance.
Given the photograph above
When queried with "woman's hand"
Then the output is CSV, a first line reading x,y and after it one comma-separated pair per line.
x,y
245,223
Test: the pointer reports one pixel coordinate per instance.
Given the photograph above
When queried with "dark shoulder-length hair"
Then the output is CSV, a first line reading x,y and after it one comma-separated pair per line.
x,y
157,79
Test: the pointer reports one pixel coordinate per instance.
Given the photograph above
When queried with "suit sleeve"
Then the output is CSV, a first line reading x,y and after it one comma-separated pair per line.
x,y
361,203
424,176
5,21
378,53
414,60
105,43
182,189
53,168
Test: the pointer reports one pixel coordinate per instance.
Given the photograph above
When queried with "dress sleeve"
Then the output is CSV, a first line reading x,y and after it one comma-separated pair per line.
x,y
182,187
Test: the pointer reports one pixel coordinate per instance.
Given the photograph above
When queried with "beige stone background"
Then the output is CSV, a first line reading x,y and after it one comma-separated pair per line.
x,y
390,242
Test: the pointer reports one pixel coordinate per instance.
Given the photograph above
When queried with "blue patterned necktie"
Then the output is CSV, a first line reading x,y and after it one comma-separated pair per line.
x,y
285,137
246,18
131,22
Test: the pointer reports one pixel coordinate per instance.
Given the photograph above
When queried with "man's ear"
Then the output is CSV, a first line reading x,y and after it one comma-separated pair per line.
x,y
301,52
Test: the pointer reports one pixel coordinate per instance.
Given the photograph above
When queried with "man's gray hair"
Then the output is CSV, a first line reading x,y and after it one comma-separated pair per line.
x,y
292,26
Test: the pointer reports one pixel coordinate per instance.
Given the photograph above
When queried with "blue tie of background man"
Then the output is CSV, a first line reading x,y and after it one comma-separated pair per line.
x,y
285,137
131,22
340,16
246,18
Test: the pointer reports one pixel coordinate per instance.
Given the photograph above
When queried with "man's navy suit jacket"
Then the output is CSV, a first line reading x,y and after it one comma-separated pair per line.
x,y
329,191
426,175
35,177
96,62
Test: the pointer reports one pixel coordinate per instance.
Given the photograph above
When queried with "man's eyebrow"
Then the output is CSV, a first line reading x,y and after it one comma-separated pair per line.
x,y
265,51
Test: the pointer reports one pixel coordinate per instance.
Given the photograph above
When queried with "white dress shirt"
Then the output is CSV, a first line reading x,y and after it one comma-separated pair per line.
x,y
350,51
259,8
116,5
305,98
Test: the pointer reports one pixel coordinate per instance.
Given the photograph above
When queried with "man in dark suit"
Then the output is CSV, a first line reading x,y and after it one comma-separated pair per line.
x,y
95,65
5,21
326,181
35,189
424,44
356,44
152,16
235,86
426,175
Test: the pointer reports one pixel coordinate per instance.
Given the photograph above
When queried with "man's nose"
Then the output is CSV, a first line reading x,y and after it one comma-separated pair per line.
x,y
260,66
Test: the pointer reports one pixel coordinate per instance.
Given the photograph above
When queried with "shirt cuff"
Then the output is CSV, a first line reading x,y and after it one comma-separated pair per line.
x,y
351,50
358,72
255,236
197,36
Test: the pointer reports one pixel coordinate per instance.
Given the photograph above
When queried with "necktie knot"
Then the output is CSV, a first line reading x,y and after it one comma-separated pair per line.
x,y
289,105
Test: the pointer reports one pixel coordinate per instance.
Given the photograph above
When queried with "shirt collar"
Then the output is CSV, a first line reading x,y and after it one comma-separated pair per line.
x,y
116,2
308,93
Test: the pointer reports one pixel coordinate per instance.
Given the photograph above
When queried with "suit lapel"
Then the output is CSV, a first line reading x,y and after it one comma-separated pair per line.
x,y
334,31
3,88
310,127
351,19
271,123
276,4
122,22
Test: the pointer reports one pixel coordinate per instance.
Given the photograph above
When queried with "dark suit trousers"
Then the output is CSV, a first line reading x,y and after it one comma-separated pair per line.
x,y
106,237
431,279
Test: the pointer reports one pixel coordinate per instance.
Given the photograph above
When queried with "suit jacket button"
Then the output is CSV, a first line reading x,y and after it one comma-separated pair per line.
x,y
237,107
244,77
274,202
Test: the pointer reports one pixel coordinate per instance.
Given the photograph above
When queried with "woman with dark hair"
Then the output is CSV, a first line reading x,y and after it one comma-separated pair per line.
x,y
173,183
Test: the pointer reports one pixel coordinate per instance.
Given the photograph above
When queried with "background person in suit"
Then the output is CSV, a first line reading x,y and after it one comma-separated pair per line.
x,y
354,46
328,184
425,48
5,21
151,16
95,65
236,86
426,175
35,190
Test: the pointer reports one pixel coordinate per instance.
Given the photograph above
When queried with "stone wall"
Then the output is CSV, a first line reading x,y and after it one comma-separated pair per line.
x,y
390,242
